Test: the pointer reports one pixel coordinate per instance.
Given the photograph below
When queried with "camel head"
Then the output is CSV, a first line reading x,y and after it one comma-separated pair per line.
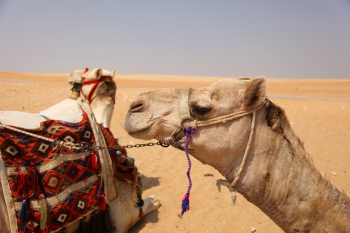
x,y
162,114
249,140
98,88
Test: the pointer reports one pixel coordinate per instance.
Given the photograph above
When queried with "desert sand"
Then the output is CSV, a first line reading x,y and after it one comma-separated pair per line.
x,y
322,124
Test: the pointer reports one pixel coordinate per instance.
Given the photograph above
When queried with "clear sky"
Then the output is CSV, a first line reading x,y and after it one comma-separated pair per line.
x,y
228,38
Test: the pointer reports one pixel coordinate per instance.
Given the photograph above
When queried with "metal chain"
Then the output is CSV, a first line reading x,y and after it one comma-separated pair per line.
x,y
86,147
163,144
83,145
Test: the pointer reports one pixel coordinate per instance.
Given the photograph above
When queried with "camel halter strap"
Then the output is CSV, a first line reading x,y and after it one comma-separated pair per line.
x,y
92,91
185,114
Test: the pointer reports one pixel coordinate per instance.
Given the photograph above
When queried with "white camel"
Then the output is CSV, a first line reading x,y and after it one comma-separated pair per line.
x,y
249,140
98,90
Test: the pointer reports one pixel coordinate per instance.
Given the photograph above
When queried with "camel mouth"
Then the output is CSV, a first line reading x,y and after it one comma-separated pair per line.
x,y
139,132
180,135
179,139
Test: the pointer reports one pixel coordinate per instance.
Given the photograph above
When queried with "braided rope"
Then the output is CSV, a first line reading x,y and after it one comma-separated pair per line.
x,y
186,200
231,185
223,119
245,152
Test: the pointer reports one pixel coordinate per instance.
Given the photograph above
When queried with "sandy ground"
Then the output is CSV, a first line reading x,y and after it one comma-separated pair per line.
x,y
323,125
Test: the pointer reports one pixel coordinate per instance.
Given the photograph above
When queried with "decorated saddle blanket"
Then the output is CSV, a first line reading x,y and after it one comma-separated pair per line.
x,y
51,187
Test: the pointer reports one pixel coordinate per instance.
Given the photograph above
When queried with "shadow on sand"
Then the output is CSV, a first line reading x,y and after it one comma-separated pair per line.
x,y
149,218
149,182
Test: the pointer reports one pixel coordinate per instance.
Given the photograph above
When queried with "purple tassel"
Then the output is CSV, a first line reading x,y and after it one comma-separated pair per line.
x,y
186,200
185,204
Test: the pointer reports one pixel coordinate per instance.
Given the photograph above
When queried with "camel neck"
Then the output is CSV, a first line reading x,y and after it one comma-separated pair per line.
x,y
74,95
283,182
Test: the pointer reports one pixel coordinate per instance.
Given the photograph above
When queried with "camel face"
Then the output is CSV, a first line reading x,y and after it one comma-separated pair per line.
x,y
75,77
156,114
218,99
102,96
153,114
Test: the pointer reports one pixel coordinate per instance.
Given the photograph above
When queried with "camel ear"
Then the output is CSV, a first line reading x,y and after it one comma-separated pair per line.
x,y
112,73
255,92
98,73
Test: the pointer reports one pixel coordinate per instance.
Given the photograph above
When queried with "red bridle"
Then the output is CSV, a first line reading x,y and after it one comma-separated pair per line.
x,y
92,91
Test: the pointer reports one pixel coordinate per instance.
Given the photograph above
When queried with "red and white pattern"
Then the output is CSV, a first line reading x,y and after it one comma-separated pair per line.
x,y
70,182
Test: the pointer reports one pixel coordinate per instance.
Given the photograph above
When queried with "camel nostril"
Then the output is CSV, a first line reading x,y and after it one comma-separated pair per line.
x,y
136,107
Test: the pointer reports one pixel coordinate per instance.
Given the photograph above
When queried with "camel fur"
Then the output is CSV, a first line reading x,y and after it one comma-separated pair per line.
x,y
279,176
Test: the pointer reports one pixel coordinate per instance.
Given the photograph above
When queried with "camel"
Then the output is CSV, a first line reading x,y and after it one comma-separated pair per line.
x,y
102,107
249,140
121,196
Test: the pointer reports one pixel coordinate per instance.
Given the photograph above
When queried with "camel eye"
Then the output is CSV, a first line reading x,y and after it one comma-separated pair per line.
x,y
201,111
136,107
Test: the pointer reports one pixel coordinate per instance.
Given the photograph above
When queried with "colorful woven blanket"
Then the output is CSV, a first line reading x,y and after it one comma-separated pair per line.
x,y
52,187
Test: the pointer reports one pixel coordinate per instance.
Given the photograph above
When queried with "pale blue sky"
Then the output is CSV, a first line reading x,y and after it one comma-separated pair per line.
x,y
272,38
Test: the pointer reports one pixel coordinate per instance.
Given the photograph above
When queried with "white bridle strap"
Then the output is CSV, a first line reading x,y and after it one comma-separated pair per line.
x,y
183,94
223,119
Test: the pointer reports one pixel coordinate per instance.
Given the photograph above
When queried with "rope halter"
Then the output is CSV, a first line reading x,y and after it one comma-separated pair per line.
x,y
91,96
183,96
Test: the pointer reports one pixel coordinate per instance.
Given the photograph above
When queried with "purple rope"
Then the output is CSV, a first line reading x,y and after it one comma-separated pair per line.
x,y
186,200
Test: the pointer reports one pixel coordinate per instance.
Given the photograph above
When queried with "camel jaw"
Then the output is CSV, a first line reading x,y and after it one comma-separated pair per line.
x,y
145,133
142,130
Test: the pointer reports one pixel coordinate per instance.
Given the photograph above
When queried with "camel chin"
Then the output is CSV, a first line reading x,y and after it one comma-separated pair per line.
x,y
179,145
144,132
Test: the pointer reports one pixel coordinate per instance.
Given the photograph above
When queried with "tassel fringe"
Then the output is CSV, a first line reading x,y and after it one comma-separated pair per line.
x,y
185,204
94,163
43,212
94,223
23,211
106,220
82,226
103,203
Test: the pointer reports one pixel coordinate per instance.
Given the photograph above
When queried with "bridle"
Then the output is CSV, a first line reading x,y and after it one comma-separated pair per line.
x,y
183,96
90,97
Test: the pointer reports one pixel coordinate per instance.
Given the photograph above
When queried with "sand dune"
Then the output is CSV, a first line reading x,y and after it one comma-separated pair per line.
x,y
322,124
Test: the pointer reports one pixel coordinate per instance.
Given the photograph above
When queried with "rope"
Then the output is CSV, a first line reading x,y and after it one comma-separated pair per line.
x,y
223,119
186,200
231,185
245,152
230,188
89,98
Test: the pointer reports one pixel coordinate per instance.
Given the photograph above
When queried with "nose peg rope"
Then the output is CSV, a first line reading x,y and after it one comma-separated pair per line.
x,y
186,200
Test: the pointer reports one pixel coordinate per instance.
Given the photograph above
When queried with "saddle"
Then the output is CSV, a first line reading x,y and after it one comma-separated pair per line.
x,y
46,187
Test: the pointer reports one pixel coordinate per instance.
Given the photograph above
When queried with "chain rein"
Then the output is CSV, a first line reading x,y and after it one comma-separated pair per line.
x,y
87,147
83,145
